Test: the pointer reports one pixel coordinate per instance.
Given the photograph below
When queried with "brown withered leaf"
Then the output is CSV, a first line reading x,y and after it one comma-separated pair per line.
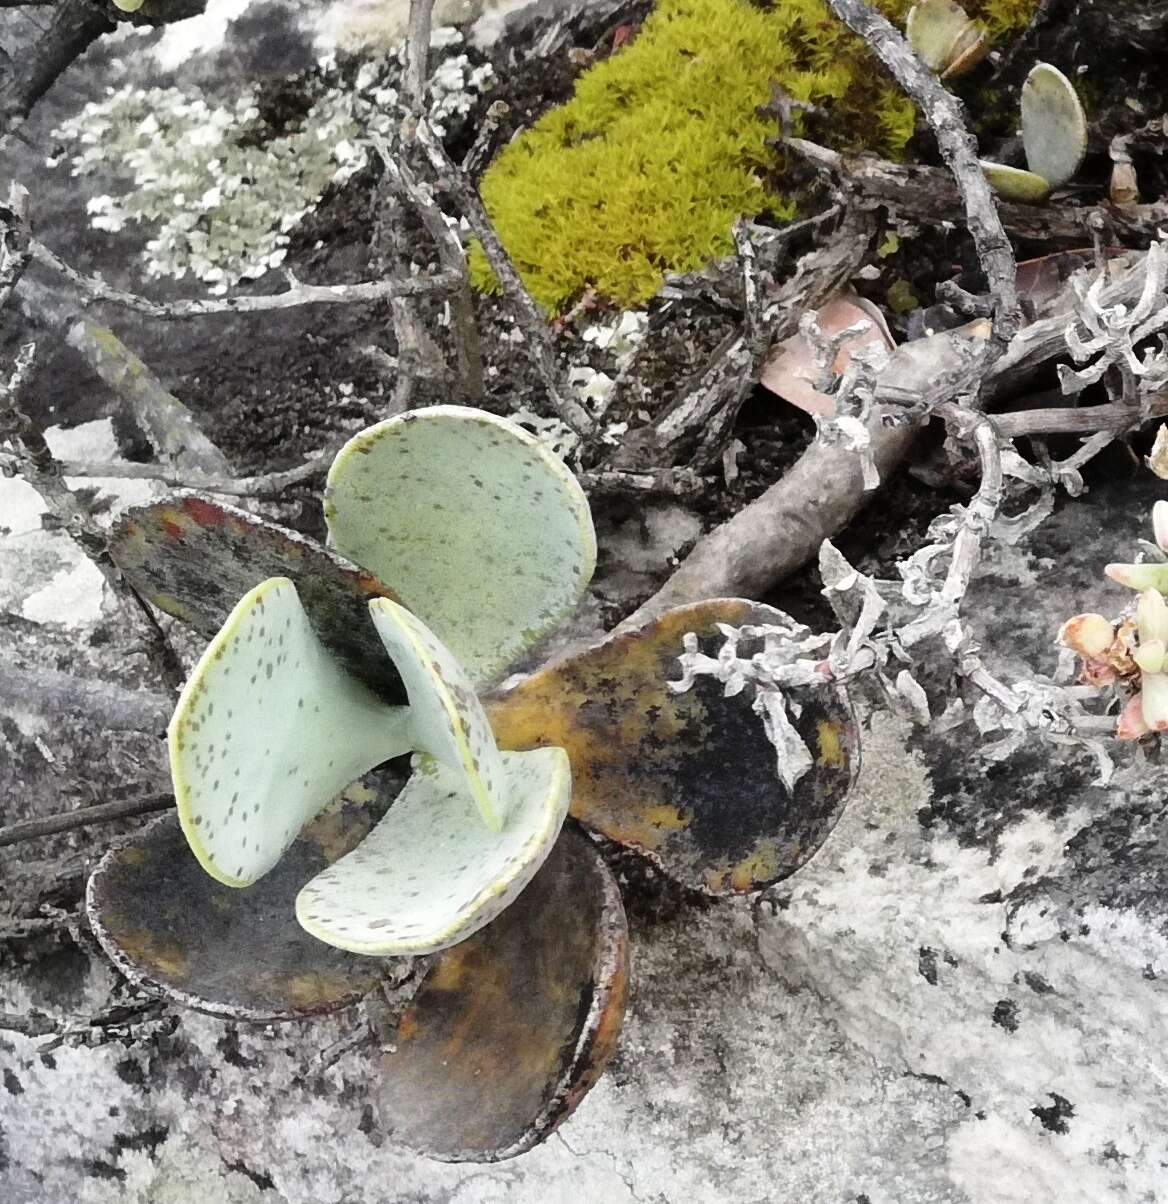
x,y
687,779
176,932
195,558
511,1028
790,369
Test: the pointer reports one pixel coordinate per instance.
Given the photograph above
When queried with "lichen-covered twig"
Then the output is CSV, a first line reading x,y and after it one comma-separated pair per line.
x,y
296,295
169,425
942,111
115,1021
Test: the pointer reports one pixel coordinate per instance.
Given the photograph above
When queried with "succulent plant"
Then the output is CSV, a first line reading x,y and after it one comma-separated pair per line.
x,y
1054,137
322,671
1131,651
945,38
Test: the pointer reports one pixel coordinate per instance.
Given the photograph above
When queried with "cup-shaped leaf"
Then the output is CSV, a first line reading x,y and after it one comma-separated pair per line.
x,y
446,718
430,874
1015,183
481,531
194,559
176,932
1054,126
944,37
511,1028
267,731
688,779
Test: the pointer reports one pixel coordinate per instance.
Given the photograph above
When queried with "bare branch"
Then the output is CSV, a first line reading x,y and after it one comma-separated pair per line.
x,y
539,340
74,25
958,148
298,294
417,56
270,484
1083,420
39,468
15,249
48,825
919,193
453,260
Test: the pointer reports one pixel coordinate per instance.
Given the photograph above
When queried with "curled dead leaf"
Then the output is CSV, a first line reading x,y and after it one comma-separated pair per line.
x,y
791,367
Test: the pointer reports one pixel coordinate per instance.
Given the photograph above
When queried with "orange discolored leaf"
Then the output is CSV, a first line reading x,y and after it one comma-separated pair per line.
x,y
688,779
511,1028
194,559
176,932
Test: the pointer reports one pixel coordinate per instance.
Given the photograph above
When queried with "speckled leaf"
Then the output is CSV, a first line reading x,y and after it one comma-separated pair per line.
x,y
430,875
446,718
943,36
195,559
482,532
1014,183
511,1028
1054,126
240,953
687,779
268,730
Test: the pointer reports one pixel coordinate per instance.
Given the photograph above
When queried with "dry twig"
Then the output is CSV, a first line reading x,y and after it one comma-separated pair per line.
x,y
539,340
298,294
101,813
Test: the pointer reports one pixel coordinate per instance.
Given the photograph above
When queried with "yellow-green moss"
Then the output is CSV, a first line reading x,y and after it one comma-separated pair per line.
x,y
661,147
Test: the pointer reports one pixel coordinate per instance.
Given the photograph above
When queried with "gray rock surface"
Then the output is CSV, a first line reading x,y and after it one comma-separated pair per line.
x,y
960,1000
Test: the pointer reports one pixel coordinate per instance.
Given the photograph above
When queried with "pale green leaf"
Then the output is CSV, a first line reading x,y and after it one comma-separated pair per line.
x,y
429,875
478,528
267,731
1054,127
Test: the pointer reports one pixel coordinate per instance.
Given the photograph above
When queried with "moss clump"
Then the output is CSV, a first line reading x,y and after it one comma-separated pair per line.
x,y
661,148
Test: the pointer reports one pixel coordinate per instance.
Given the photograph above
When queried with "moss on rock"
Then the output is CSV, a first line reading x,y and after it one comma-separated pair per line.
x,y
662,147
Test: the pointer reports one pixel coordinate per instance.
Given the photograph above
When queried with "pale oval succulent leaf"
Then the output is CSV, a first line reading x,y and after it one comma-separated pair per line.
x,y
267,731
481,530
940,33
447,721
1054,126
428,875
971,46
1015,183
